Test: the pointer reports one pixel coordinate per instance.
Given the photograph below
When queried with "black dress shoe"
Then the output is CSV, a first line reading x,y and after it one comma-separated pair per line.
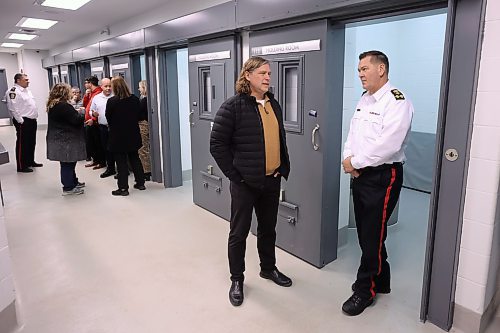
x,y
378,289
356,304
25,170
122,192
37,165
140,187
236,293
277,277
107,173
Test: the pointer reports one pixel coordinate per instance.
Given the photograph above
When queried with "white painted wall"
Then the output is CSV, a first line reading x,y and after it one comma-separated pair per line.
x,y
30,61
9,62
7,293
183,88
480,243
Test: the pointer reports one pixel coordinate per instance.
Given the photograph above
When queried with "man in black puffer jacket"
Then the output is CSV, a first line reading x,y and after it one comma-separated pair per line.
x,y
248,143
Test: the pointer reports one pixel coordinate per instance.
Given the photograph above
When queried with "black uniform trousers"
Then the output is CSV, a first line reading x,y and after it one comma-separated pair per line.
x,y
122,167
243,200
25,142
110,157
375,194
93,142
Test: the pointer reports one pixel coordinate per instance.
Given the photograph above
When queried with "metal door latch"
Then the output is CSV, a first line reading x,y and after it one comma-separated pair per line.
x,y
217,189
451,154
291,220
205,184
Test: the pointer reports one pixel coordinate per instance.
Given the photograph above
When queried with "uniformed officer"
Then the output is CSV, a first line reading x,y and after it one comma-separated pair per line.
x,y
22,106
374,156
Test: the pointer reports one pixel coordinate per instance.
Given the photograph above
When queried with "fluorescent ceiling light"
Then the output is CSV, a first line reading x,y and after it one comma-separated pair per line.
x,y
11,45
64,4
19,36
29,22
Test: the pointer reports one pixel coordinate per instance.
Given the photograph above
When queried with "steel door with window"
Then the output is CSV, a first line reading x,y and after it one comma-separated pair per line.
x,y
4,111
97,69
211,82
120,66
304,60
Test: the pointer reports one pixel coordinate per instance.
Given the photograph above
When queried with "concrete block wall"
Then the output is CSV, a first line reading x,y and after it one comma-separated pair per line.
x,y
479,250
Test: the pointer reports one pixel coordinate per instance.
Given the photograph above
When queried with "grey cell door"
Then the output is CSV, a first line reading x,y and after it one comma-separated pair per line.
x,y
97,68
312,109
121,66
55,75
4,111
212,75
64,70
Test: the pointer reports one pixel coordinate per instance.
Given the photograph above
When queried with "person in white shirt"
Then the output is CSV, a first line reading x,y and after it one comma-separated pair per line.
x,y
374,156
22,106
98,109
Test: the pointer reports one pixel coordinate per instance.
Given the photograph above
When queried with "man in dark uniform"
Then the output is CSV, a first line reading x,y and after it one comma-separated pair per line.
x,y
22,106
374,156
249,145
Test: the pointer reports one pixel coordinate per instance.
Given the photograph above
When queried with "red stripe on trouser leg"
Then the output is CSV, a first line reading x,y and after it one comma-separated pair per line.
x,y
19,150
384,218
372,287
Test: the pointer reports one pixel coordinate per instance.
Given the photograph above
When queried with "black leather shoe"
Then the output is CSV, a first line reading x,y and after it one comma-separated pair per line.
x,y
277,277
122,192
140,187
25,170
107,173
356,304
37,165
236,293
378,290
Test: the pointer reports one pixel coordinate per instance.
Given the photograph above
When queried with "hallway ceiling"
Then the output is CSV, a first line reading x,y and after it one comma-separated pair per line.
x,y
91,18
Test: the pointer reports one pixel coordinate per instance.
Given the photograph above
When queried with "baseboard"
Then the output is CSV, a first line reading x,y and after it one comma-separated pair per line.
x,y
8,319
469,321
342,236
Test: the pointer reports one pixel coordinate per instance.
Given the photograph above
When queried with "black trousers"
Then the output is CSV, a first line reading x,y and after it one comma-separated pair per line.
x,y
110,158
243,200
25,142
122,166
375,194
93,137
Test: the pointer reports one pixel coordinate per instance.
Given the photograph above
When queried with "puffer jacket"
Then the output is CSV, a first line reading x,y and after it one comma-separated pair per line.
x,y
237,140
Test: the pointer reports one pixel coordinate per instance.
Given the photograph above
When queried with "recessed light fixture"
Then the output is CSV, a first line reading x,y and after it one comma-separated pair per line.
x,y
64,4
18,36
11,45
30,22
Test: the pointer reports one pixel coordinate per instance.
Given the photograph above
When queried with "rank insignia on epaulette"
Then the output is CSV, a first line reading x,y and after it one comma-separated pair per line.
x,y
364,92
13,89
398,95
12,95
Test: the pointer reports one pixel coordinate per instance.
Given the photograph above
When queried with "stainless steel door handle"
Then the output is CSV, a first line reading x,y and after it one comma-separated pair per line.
x,y
313,137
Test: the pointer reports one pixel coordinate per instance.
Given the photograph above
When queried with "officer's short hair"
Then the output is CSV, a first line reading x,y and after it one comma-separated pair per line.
x,y
93,80
18,77
378,57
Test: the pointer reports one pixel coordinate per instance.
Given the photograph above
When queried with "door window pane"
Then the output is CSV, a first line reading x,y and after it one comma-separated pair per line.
x,y
206,90
291,93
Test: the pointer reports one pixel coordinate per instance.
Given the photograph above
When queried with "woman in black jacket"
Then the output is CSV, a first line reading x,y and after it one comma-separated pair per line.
x,y
65,137
122,113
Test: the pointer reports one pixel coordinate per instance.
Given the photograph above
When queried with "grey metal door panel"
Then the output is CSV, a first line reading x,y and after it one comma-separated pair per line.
x,y
458,97
64,74
210,83
307,222
97,69
4,111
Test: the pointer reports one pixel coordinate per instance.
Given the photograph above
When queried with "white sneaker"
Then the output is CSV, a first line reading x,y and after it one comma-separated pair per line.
x,y
75,191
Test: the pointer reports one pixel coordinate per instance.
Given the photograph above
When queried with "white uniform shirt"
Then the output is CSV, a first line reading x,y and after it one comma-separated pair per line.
x,y
21,103
379,128
99,104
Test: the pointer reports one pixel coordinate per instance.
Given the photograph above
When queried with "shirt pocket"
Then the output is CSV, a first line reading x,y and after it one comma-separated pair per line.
x,y
374,125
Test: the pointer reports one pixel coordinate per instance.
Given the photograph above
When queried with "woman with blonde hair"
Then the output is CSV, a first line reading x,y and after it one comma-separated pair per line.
x,y
144,128
122,113
65,137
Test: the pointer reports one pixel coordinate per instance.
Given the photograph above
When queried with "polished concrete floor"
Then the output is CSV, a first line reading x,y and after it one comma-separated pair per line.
x,y
155,262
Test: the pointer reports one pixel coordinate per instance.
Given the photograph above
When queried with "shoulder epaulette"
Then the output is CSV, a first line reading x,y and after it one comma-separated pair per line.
x,y
364,92
13,89
12,94
398,95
